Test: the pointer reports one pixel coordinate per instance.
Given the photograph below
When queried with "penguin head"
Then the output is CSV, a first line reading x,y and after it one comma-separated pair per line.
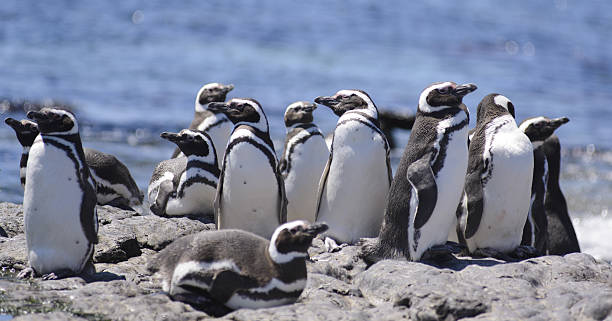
x,y
292,240
299,112
348,99
538,129
442,95
212,92
191,142
496,105
242,111
53,121
26,130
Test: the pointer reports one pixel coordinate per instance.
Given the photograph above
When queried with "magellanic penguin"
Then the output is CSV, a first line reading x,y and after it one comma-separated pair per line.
x,y
429,180
214,123
538,129
59,203
356,179
561,234
251,191
498,182
189,188
236,268
114,184
303,161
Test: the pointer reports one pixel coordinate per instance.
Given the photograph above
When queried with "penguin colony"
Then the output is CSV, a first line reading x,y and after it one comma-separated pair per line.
x,y
492,191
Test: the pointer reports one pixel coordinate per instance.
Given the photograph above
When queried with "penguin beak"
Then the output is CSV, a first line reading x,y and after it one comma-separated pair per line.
x,y
217,107
557,122
309,108
464,89
12,122
228,88
328,101
316,229
173,137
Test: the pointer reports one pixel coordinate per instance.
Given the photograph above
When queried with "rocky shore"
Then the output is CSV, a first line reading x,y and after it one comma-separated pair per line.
x,y
575,286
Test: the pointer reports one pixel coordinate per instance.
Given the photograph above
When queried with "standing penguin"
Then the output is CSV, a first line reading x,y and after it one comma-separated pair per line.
x,y
561,234
429,180
498,182
114,184
538,129
215,124
236,268
356,179
61,223
251,191
186,185
303,161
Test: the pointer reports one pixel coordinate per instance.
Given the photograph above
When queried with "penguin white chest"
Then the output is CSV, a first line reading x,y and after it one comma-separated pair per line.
x,y
353,197
508,157
197,198
250,194
52,207
449,183
307,162
219,128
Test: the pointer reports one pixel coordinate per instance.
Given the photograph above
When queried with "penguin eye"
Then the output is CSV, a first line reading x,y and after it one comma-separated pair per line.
x,y
538,125
190,138
55,116
444,90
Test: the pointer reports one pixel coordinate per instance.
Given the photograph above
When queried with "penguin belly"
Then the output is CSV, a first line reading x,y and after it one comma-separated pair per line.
x,y
449,182
353,198
307,164
249,199
197,199
219,128
507,193
52,206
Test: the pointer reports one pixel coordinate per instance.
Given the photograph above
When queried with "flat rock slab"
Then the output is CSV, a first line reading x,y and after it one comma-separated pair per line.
x,y
575,286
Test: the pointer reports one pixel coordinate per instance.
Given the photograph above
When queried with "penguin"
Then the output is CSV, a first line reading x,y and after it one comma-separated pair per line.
x,y
561,234
303,161
191,190
498,182
216,124
114,184
61,223
538,129
236,268
429,180
357,176
251,191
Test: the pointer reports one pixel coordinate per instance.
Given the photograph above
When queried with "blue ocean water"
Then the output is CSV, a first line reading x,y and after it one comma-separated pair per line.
x,y
132,68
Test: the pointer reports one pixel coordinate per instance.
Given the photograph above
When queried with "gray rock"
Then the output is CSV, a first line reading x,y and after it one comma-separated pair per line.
x,y
575,286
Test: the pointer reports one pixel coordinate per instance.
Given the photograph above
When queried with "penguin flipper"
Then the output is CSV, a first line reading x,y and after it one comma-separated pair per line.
x,y
217,202
282,198
164,191
421,177
227,282
89,215
322,183
475,203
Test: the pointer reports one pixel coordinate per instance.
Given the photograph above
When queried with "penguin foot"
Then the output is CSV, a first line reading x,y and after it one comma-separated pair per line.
x,y
26,273
523,252
58,275
331,245
491,252
440,253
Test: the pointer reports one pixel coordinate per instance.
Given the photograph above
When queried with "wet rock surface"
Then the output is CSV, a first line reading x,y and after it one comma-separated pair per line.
x,y
340,287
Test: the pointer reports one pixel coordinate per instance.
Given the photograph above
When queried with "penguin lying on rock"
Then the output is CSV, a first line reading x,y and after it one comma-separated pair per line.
x,y
59,202
114,184
186,185
238,269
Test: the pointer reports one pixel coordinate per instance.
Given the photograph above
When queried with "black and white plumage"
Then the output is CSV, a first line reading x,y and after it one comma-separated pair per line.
x,y
251,191
59,202
215,124
186,185
114,184
538,129
561,234
498,181
303,161
356,179
429,180
236,268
